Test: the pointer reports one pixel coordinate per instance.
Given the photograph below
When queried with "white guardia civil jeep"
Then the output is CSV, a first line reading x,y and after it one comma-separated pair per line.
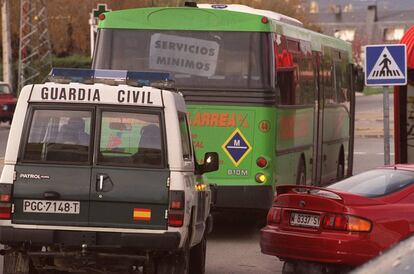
x,y
103,178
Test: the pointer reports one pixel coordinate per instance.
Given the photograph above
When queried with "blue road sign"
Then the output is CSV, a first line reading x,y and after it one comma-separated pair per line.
x,y
385,65
237,147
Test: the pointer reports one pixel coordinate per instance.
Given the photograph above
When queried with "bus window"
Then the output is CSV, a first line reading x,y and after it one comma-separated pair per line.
x,y
287,87
196,59
296,84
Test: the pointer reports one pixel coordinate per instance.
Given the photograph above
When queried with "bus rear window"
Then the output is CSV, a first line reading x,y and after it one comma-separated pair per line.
x,y
59,136
196,59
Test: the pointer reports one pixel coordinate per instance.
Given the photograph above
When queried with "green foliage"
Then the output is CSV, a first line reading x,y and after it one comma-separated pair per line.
x,y
372,90
73,61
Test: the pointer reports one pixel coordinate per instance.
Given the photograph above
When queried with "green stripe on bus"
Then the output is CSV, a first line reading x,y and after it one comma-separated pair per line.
x,y
185,19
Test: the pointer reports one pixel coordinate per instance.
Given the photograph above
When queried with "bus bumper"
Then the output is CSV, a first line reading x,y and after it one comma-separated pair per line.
x,y
248,197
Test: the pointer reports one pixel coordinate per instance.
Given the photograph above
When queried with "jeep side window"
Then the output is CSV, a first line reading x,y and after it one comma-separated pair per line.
x,y
59,136
130,139
185,136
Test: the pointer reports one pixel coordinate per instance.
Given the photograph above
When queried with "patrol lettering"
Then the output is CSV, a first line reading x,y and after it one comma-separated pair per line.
x,y
70,94
134,96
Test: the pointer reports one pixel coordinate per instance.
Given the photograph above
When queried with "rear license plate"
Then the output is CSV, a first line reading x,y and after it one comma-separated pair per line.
x,y
47,206
306,220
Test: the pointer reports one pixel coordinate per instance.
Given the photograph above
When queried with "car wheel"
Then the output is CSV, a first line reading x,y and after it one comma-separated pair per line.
x,y
17,263
288,268
177,263
198,257
301,174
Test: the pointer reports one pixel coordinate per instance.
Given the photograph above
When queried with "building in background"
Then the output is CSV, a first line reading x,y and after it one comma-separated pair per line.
x,y
362,22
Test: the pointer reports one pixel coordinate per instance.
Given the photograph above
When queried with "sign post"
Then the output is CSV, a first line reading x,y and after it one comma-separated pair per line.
x,y
386,65
93,22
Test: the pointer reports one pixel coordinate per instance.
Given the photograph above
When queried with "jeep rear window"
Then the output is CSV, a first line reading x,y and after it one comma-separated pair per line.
x,y
59,136
130,139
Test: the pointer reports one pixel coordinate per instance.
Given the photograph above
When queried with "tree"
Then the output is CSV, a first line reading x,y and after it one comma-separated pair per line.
x,y
69,28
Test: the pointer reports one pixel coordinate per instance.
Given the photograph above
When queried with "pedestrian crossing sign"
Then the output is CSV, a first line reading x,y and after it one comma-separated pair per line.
x,y
385,65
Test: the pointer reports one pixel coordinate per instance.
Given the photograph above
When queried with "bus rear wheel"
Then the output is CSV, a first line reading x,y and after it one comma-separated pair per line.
x,y
340,170
301,174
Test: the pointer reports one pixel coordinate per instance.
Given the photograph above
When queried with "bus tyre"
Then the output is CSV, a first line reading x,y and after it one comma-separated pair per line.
x,y
340,170
198,257
16,263
301,174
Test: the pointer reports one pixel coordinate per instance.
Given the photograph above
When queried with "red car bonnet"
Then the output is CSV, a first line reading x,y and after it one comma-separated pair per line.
x,y
320,198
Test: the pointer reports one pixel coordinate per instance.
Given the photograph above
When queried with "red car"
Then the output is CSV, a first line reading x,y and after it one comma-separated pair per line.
x,y
7,103
337,228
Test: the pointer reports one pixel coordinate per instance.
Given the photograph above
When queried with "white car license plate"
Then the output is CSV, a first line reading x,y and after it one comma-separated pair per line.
x,y
307,220
49,206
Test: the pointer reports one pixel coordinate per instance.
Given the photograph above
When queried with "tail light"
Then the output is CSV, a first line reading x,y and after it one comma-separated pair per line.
x,y
261,162
346,223
176,209
274,215
5,201
261,178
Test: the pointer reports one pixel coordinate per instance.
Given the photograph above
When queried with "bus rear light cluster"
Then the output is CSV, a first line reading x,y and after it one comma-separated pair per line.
x,y
261,162
176,208
261,178
5,201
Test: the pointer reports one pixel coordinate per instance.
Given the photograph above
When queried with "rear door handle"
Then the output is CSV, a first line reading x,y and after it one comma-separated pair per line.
x,y
101,179
103,183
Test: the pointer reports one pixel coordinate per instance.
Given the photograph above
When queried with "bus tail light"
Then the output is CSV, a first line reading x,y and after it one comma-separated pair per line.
x,y
5,201
274,215
261,162
261,178
346,223
176,208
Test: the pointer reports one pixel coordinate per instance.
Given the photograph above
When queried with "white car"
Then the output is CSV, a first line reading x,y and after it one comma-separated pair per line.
x,y
102,177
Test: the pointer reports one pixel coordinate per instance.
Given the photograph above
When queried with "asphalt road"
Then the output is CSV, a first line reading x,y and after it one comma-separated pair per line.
x,y
233,247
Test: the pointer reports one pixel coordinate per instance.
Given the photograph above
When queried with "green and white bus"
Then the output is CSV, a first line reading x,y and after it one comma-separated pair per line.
x,y
275,99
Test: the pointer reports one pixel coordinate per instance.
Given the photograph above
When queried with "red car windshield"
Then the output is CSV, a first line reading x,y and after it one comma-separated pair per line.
x,y
375,183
